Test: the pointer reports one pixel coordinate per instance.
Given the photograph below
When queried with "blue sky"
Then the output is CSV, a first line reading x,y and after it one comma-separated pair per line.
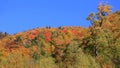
x,y
21,15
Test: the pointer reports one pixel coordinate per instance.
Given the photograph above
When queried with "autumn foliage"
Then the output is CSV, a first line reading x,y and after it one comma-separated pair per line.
x,y
97,46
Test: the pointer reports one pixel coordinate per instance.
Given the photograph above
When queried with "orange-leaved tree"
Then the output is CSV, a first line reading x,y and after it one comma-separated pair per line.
x,y
97,18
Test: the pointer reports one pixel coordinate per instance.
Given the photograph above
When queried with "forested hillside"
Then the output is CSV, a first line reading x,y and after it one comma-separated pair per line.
x,y
97,46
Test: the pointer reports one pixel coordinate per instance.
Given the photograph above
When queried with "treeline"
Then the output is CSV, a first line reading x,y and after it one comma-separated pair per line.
x,y
3,34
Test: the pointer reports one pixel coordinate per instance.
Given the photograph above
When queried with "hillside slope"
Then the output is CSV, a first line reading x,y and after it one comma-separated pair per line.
x,y
64,47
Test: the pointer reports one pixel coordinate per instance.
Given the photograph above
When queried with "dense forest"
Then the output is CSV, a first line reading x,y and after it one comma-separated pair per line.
x,y
97,46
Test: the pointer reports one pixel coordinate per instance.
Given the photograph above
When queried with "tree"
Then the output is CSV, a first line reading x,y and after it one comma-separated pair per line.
x,y
97,18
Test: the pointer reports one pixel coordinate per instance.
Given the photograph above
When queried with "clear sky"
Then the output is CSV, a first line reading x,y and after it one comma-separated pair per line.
x,y
21,15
